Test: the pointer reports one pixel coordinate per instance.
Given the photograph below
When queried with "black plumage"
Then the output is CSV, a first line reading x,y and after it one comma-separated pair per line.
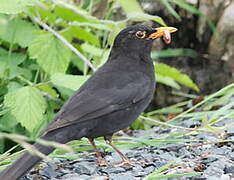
x,y
111,99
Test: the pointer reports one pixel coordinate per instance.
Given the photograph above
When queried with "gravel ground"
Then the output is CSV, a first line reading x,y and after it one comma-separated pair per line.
x,y
215,161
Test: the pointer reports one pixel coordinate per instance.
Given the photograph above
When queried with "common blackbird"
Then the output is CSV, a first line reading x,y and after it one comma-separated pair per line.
x,y
108,101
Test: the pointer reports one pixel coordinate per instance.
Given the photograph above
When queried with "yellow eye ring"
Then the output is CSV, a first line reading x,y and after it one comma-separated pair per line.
x,y
140,34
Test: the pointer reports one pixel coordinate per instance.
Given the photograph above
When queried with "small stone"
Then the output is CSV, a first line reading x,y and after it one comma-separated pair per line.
x,y
149,169
84,176
213,178
231,156
84,168
173,147
122,176
49,171
100,178
115,170
113,158
72,176
230,131
229,169
127,168
209,160
225,177
215,169
168,156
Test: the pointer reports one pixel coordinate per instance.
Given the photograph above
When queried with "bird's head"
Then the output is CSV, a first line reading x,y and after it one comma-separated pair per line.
x,y
139,38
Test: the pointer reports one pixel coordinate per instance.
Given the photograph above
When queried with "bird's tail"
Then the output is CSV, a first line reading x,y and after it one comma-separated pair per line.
x,y
21,166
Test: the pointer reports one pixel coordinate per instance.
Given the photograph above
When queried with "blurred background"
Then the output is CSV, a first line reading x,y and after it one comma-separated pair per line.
x,y
48,48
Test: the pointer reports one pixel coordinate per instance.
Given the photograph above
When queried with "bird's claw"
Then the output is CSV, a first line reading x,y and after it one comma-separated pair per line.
x,y
125,162
102,162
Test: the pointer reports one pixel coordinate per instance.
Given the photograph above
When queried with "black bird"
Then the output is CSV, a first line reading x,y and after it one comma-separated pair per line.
x,y
109,101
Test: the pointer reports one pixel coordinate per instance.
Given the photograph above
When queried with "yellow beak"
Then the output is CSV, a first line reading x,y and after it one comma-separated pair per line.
x,y
163,32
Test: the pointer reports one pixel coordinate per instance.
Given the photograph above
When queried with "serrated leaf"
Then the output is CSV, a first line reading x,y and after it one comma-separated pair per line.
x,y
27,106
16,31
9,65
173,73
51,54
14,6
72,82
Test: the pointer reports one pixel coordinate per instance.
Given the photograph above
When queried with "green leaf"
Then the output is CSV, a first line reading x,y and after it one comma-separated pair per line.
x,y
170,9
9,65
27,106
187,7
72,82
51,54
92,49
16,31
46,88
102,26
14,6
8,123
136,16
130,6
173,73
167,81
173,53
82,34
166,110
73,13
45,13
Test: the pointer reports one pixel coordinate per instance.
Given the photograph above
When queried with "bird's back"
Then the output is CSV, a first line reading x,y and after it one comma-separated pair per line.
x,y
118,89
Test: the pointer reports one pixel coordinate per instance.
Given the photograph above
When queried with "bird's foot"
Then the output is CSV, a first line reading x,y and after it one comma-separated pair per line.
x,y
102,162
125,162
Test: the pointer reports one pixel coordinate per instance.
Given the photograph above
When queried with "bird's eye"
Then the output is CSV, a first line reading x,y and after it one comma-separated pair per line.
x,y
140,34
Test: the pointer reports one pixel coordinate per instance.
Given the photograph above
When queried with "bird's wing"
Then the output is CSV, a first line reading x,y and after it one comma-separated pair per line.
x,y
89,104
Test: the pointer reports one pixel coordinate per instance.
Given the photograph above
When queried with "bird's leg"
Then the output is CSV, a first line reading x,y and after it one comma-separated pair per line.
x,y
125,159
100,160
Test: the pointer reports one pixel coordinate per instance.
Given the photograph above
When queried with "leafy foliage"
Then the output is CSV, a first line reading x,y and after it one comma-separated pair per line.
x,y
68,81
43,46
27,105
51,54
14,6
174,74
14,30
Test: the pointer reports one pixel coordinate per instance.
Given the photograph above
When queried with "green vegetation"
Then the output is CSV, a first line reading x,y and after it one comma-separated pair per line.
x,y
43,44
48,49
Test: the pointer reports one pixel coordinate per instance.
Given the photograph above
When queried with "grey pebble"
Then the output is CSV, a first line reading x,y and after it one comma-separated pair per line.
x,y
230,131
229,168
122,176
110,169
84,168
149,169
231,156
71,176
215,169
50,171
209,160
